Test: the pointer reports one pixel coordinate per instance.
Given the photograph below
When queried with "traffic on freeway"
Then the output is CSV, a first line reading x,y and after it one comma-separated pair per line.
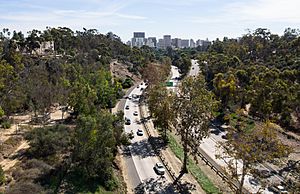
x,y
210,146
150,172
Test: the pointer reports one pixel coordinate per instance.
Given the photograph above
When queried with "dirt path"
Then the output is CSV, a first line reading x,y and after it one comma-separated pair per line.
x,y
14,157
5,134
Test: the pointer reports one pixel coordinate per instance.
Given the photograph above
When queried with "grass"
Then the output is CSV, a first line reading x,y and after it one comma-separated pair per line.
x,y
193,168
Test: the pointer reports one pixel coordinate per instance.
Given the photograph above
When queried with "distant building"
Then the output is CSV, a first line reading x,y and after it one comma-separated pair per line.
x,y
151,42
160,44
198,43
184,43
205,44
192,44
44,48
138,39
128,43
167,41
138,34
176,42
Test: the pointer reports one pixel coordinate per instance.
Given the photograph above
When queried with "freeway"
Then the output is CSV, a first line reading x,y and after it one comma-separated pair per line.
x,y
210,146
142,155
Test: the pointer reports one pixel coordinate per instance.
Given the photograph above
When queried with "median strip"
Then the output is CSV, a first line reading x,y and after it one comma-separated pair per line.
x,y
195,170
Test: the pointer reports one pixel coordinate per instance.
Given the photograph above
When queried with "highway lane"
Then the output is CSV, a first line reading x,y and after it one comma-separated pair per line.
x,y
143,156
210,145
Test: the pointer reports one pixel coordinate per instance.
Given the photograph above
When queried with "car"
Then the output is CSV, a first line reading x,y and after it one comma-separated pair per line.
x,y
142,89
129,97
140,132
127,107
138,86
253,181
159,168
135,113
224,136
127,121
277,189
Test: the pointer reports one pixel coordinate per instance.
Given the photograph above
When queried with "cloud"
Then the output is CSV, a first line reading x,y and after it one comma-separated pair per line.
x,y
266,10
256,11
103,13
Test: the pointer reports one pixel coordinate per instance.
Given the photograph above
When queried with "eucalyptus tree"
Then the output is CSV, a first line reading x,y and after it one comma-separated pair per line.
x,y
193,107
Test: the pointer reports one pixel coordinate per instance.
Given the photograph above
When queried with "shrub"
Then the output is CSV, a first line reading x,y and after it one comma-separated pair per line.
x,y
2,176
6,124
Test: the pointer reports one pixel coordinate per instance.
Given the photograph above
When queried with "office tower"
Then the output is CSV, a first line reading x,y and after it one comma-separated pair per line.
x,y
184,43
192,44
138,39
151,42
167,41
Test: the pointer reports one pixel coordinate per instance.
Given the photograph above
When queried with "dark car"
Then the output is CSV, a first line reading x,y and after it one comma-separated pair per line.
x,y
127,121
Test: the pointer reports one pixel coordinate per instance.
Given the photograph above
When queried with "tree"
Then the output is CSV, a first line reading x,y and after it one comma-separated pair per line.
x,y
160,103
193,108
250,147
95,143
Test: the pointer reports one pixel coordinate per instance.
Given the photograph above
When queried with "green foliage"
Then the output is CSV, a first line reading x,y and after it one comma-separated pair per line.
x,y
95,145
48,141
251,147
127,83
196,171
1,112
6,124
260,70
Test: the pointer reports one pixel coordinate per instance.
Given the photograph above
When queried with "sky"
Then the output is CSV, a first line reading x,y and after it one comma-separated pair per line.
x,y
196,19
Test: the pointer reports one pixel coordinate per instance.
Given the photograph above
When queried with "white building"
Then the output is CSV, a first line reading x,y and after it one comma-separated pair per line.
x,y
138,39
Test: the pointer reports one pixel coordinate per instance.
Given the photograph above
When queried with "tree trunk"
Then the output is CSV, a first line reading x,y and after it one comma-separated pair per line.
x,y
240,190
185,158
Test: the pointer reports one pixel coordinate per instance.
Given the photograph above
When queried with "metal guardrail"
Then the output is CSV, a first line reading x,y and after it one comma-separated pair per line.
x,y
232,184
162,158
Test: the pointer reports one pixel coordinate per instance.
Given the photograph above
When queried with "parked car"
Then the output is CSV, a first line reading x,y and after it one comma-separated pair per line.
x,y
278,189
135,113
140,132
138,86
159,168
127,107
127,121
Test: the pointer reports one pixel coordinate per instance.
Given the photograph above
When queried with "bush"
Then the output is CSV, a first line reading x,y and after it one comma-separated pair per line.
x,y
111,184
127,83
2,176
6,124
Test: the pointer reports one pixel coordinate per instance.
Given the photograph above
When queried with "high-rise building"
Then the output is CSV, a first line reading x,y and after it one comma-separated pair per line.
x,y
184,43
138,39
167,41
176,42
192,44
138,34
151,42
198,43
161,44
205,44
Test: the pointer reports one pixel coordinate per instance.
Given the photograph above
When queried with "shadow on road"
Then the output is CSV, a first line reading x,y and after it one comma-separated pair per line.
x,y
155,185
143,148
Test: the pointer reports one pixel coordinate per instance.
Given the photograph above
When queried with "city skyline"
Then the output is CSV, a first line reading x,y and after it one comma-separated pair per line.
x,y
189,19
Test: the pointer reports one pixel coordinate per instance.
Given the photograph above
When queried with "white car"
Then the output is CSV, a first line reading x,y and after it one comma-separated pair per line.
x,y
159,168
127,107
140,132
135,113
